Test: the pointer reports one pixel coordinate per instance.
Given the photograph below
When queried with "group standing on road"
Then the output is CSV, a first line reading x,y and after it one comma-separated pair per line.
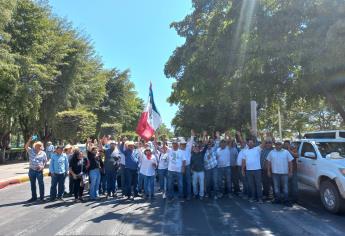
x,y
200,167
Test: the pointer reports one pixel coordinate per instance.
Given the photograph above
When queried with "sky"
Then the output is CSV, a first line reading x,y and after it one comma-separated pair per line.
x,y
132,34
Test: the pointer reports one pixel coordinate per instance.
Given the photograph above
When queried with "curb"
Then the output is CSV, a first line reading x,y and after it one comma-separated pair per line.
x,y
18,180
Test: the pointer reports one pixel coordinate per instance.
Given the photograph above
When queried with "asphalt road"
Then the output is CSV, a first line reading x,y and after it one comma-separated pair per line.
x,y
121,217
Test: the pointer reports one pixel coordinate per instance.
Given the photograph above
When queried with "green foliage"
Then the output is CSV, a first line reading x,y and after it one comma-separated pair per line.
x,y
75,125
164,132
47,66
272,51
110,129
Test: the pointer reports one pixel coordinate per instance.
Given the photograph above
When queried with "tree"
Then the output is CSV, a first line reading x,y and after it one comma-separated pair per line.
x,y
75,125
164,132
271,51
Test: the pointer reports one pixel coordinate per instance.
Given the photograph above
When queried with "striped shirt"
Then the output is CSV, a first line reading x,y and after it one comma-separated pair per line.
x,y
37,160
212,162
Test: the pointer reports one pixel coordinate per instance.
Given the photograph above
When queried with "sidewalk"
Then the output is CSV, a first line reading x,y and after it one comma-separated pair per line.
x,y
15,174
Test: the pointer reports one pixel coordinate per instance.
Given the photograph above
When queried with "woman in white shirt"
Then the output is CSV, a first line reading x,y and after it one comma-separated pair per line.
x,y
147,169
163,168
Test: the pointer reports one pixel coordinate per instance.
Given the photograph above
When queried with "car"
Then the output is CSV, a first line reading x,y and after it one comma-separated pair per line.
x,y
321,165
325,134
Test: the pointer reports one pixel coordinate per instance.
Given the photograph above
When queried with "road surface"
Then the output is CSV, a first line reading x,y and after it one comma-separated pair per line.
x,y
121,217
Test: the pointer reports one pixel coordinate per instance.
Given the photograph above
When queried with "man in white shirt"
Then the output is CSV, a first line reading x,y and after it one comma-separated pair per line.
x,y
280,167
224,170
147,169
186,149
251,168
242,178
176,167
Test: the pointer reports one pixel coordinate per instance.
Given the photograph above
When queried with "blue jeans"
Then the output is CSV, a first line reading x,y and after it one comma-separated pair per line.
x,y
172,176
211,181
131,181
163,179
33,175
57,180
254,184
149,185
141,178
224,172
123,178
111,181
293,186
244,180
281,182
95,179
187,182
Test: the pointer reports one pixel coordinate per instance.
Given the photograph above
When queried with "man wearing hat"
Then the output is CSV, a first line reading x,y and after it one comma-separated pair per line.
x,y
131,169
280,168
38,160
58,169
186,150
68,150
176,165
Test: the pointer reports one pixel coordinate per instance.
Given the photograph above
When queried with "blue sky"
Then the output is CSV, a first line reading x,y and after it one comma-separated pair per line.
x,y
132,34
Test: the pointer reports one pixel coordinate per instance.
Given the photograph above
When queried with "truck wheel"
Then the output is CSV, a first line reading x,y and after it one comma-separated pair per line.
x,y
330,196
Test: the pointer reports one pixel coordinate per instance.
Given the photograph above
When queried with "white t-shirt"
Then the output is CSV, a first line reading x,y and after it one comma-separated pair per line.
x,y
163,161
175,159
279,161
240,157
147,167
223,157
252,157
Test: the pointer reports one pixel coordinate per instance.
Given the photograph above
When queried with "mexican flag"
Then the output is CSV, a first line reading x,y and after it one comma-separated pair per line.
x,y
150,119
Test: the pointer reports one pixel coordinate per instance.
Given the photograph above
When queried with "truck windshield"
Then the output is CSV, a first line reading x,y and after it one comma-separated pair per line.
x,y
329,147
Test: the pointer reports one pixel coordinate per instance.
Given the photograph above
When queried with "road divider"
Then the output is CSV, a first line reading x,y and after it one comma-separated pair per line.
x,y
17,180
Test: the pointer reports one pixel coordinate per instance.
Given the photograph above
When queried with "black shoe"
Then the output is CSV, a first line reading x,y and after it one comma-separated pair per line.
x,y
32,200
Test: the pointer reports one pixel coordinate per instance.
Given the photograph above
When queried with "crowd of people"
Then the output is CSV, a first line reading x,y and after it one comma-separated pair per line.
x,y
201,167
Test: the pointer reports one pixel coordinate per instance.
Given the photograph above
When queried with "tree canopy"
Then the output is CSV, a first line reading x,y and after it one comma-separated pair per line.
x,y
48,67
280,53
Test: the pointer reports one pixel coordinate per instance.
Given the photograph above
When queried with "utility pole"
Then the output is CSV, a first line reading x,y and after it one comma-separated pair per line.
x,y
253,116
280,124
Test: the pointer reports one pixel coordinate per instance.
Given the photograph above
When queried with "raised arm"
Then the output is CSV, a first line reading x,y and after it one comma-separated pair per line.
x,y
27,144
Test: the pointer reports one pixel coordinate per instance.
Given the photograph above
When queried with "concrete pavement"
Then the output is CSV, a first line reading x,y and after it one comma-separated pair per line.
x,y
234,216
15,174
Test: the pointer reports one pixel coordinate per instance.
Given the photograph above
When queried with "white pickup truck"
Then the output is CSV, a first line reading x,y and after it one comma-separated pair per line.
x,y
321,164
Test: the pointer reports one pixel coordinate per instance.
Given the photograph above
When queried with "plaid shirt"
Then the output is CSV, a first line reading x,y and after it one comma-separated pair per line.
x,y
212,162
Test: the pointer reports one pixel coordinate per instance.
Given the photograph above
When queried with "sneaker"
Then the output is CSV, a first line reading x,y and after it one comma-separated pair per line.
x,y
76,200
60,199
164,196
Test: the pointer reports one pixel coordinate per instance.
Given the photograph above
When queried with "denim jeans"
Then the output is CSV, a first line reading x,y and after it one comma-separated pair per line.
x,y
267,183
141,178
163,179
280,182
198,177
224,172
111,181
131,182
293,187
235,179
243,180
123,178
211,181
187,182
58,180
95,179
254,184
172,176
103,184
33,175
149,185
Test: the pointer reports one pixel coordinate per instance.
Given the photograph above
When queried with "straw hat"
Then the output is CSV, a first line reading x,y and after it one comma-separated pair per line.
x,y
38,143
